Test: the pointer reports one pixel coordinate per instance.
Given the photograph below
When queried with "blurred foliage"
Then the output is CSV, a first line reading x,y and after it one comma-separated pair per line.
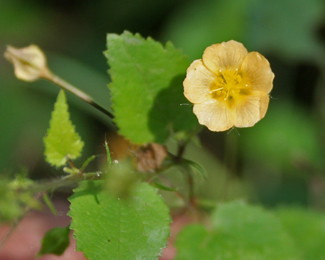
x,y
283,148
238,231
286,28
307,228
121,180
14,199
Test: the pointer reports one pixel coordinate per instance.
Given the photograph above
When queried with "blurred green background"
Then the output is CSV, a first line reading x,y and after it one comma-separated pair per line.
x,y
278,161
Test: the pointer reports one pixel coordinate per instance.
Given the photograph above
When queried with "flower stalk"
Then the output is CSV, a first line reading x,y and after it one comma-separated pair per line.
x,y
30,65
72,89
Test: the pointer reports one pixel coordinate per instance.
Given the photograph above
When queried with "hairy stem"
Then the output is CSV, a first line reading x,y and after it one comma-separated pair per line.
x,y
64,181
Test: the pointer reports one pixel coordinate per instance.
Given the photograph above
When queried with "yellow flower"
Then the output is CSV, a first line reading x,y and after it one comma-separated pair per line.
x,y
229,86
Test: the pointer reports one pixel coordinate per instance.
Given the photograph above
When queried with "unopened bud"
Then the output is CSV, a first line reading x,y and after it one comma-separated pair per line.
x,y
29,62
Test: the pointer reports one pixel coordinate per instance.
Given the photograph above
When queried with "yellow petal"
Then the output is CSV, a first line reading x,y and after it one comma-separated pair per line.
x,y
224,56
256,71
198,82
248,112
214,115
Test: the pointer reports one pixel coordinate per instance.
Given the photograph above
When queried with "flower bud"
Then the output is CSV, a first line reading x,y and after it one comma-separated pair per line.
x,y
29,62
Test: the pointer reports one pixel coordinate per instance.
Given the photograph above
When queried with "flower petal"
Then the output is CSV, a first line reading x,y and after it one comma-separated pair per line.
x,y
215,115
256,71
249,111
198,82
224,56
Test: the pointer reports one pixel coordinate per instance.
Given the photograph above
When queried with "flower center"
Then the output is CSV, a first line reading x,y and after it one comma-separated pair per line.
x,y
228,86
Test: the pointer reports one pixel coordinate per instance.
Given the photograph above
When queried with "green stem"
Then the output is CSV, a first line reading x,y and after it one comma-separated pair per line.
x,y
47,74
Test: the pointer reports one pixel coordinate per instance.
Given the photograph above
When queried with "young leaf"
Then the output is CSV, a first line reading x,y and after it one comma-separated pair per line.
x,y
106,227
61,140
239,232
147,89
55,241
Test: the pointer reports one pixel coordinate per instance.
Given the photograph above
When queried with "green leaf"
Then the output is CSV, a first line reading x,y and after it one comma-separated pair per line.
x,y
106,227
61,140
147,89
308,230
55,241
240,232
